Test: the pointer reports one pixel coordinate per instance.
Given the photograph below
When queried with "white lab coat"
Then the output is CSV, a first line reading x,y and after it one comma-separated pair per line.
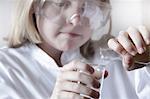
x,y
29,73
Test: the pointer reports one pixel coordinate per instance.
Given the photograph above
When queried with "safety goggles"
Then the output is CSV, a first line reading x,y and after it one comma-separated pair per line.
x,y
92,13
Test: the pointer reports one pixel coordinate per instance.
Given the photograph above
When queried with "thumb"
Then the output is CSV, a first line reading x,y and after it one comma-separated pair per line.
x,y
128,62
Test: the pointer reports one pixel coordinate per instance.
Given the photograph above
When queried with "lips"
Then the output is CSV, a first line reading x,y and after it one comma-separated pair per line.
x,y
73,35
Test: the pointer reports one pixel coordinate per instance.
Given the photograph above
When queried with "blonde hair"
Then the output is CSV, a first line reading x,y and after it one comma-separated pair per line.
x,y
23,28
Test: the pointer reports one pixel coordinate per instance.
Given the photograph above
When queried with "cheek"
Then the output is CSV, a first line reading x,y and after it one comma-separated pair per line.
x,y
48,32
47,29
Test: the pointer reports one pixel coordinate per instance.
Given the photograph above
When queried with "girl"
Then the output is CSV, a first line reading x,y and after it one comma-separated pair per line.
x,y
33,66
48,37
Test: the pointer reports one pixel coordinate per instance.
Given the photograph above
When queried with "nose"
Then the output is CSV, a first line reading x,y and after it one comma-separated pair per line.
x,y
75,19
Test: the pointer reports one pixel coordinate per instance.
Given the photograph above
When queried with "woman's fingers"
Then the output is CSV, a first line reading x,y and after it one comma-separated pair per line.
x,y
137,39
145,34
70,95
116,46
79,89
77,65
126,43
132,41
128,61
81,77
129,43
77,78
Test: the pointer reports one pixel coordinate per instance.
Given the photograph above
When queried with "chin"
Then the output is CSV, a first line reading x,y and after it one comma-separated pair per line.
x,y
68,48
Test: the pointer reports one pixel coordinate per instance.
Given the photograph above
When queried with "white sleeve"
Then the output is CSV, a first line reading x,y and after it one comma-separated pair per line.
x,y
142,83
148,70
7,90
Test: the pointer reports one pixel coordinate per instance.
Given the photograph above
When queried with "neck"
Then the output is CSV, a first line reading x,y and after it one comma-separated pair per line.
x,y
52,52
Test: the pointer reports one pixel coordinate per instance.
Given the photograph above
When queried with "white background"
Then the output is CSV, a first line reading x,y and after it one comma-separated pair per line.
x,y
6,13
124,13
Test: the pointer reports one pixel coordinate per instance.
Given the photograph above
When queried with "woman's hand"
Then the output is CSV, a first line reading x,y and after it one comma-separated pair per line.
x,y
132,44
71,83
